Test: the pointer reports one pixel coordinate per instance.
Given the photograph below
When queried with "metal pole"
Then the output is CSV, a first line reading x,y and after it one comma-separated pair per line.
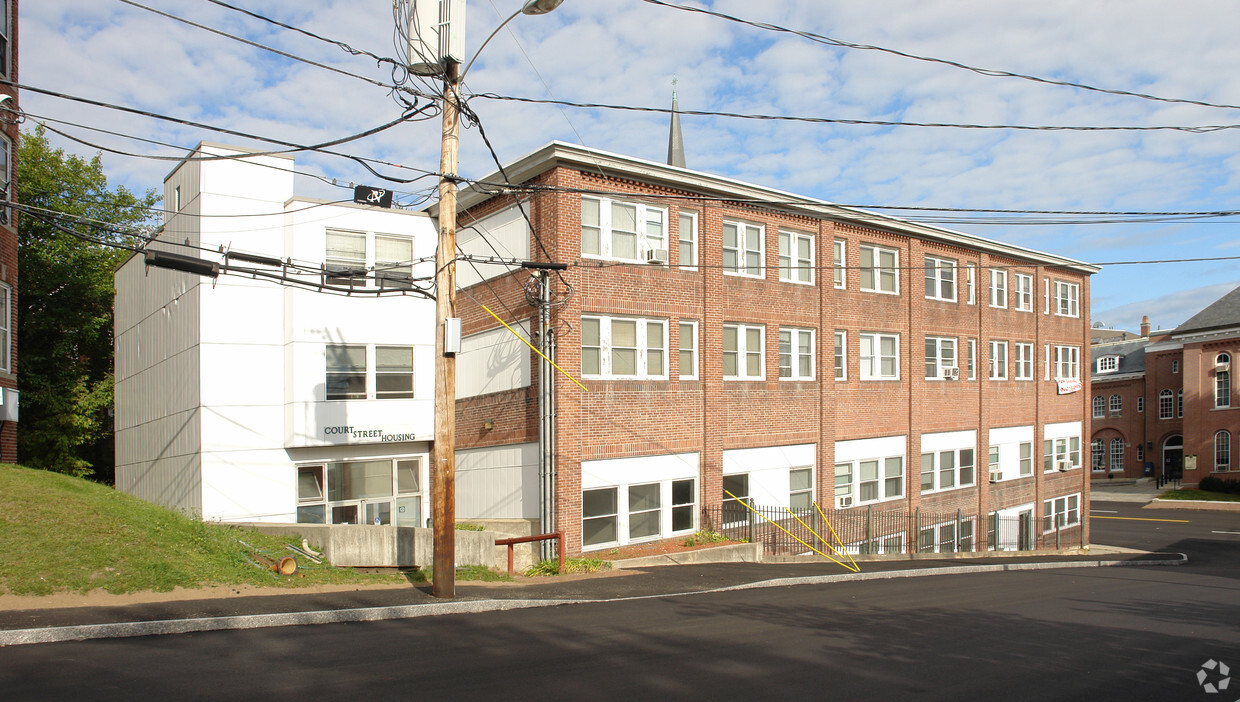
x,y
443,473
544,413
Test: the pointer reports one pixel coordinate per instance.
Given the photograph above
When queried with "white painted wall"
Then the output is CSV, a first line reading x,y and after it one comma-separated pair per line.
x,y
1061,430
1009,439
642,470
493,361
768,467
948,441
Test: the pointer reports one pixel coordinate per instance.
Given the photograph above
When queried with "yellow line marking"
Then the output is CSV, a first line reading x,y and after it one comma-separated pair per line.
x,y
1143,519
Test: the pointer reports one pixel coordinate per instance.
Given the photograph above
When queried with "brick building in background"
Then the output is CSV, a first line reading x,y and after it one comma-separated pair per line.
x,y
784,349
9,135
1166,404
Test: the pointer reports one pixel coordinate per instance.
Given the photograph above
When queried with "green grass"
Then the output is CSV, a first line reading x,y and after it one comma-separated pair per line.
x,y
551,566
65,534
1192,494
704,536
465,573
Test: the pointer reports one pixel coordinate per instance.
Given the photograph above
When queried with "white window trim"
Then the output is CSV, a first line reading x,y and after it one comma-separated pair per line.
x,y
998,289
935,267
971,283
1059,508
371,372
1060,451
1117,445
624,512
372,277
6,328
972,359
1024,361
1024,292
693,240
876,359
998,371
642,221
1068,294
1067,362
1108,364
605,348
795,335
1099,406
937,462
742,350
841,264
840,352
939,365
744,232
680,346
876,270
1169,405
791,272
855,485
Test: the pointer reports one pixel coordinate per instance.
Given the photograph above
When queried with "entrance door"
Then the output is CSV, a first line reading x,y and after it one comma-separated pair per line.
x,y
1173,457
1025,536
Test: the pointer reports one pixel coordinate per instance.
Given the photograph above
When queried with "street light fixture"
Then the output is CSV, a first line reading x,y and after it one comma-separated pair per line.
x,y
443,467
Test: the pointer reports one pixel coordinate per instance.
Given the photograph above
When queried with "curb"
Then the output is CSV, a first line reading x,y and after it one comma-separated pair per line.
x,y
1206,505
18,637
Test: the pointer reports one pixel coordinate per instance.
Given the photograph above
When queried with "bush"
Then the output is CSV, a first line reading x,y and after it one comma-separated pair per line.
x,y
705,536
551,566
465,526
1211,483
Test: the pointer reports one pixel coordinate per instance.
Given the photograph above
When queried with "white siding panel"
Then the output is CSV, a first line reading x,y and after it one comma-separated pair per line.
x,y
768,469
504,234
1061,430
249,486
493,361
946,441
638,470
499,482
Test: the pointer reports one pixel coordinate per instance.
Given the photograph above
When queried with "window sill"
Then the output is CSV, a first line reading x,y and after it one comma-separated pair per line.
x,y
738,274
881,292
941,299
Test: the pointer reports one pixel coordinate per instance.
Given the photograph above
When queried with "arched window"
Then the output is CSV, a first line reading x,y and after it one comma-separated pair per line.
x,y
1100,407
1117,454
1222,380
1117,403
1222,451
1097,455
1166,404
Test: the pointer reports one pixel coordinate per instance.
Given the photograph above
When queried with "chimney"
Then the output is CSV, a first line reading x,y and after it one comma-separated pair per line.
x,y
1145,326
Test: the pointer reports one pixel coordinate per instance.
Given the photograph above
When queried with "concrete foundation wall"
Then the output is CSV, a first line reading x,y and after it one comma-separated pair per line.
x,y
365,546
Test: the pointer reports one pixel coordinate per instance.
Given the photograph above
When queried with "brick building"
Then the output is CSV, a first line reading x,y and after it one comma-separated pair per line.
x,y
9,135
1166,405
737,338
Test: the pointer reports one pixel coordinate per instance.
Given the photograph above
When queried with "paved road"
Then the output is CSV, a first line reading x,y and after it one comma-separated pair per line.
x,y
1136,633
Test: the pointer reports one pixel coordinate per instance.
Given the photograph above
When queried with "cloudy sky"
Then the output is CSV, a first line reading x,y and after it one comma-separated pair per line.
x,y
627,52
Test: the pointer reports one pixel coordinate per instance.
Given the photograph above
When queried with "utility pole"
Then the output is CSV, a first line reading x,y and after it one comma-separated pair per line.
x,y
443,472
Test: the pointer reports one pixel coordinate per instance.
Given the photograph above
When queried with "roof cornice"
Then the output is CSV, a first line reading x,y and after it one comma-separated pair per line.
x,y
605,163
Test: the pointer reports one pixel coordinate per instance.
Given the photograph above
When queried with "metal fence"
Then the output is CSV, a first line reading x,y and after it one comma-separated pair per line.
x,y
885,532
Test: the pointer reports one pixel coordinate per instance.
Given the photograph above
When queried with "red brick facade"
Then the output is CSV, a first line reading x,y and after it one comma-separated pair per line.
x,y
710,415
8,234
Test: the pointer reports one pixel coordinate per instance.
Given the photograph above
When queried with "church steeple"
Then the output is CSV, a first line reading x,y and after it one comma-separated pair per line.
x,y
675,141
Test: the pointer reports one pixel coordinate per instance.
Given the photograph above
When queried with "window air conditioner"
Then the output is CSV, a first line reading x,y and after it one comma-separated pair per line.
x,y
1065,465
951,374
842,502
1222,366
656,256
995,475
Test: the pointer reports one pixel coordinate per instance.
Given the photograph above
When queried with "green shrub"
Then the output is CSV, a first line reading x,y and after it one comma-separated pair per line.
x,y
1213,483
465,526
705,536
551,566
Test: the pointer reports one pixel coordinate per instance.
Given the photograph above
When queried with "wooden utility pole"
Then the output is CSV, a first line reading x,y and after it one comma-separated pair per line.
x,y
443,472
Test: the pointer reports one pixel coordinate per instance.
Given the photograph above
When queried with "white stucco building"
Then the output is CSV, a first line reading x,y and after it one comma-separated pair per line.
x,y
244,399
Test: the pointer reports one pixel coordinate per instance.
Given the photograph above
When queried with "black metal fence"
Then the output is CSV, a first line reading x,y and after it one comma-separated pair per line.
x,y
885,532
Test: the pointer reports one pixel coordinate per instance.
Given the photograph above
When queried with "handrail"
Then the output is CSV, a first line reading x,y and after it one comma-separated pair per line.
x,y
557,535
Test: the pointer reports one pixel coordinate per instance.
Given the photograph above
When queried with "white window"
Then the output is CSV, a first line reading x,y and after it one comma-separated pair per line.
x,y
176,199
1024,361
972,359
796,257
796,354
839,263
998,288
1061,512
6,46
6,327
623,347
1166,404
801,489
600,509
744,357
947,470
640,512
384,491
1066,299
1046,296
348,376
998,360
742,249
870,479
1026,458
1222,451
1100,407
688,344
1117,454
1067,362
735,496
1108,364
1116,404
688,237
841,346
1061,453
350,256
940,355
971,283
880,356
621,231
879,269
948,537
1175,366
1222,380
940,279
1024,292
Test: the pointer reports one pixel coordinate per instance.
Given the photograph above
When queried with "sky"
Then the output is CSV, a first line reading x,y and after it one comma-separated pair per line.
x,y
629,52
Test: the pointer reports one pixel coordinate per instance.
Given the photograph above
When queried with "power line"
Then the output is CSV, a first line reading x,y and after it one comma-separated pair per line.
x,y
955,64
312,35
1202,129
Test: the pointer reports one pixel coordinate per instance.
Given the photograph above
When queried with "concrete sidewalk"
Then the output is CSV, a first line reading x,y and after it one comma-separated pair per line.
x,y
70,624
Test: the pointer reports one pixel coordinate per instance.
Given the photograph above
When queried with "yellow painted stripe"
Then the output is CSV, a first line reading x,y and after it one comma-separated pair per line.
x,y
1143,519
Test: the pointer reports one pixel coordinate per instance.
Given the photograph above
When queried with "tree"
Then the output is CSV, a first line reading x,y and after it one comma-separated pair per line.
x,y
64,305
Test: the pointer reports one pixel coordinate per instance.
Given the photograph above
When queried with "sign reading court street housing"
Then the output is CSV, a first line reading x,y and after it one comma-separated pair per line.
x,y
350,434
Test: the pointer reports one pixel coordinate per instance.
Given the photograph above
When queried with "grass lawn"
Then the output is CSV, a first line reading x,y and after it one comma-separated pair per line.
x,y
65,534
1194,494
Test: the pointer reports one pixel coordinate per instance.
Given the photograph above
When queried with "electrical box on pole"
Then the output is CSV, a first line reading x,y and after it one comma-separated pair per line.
x,y
436,35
